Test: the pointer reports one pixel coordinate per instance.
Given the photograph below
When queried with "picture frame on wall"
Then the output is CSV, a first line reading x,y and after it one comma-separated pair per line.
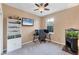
x,y
27,22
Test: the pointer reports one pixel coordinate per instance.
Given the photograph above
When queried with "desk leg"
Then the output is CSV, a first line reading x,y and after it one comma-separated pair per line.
x,y
50,37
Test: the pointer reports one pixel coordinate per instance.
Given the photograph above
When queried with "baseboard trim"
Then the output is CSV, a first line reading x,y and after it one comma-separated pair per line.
x,y
58,42
51,41
27,42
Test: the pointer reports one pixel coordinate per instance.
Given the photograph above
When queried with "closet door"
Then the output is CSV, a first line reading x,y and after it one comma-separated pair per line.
x,y
1,31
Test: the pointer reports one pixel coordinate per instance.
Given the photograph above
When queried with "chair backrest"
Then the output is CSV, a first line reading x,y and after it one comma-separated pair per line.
x,y
46,31
42,35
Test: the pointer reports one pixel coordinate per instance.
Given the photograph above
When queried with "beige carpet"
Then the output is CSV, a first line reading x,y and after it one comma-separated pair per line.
x,y
47,48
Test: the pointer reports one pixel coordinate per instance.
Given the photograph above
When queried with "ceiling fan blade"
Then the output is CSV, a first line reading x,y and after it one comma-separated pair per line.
x,y
47,9
37,5
35,9
45,5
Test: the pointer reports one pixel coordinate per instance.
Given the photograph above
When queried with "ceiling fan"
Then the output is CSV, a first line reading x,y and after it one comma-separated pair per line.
x,y
42,7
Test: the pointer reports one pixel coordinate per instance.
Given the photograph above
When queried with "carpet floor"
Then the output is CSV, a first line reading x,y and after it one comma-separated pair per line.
x,y
37,48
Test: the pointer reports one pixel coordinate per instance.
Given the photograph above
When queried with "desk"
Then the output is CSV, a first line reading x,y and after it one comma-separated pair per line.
x,y
48,36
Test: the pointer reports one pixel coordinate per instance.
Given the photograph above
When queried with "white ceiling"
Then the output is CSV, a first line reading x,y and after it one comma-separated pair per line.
x,y
54,7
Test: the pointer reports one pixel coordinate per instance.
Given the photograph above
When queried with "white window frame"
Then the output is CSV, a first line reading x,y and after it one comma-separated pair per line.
x,y
50,20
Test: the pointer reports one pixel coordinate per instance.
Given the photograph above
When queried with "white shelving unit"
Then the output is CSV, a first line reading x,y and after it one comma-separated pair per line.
x,y
13,34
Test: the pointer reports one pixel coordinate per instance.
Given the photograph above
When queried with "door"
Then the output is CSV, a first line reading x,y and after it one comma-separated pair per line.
x,y
1,33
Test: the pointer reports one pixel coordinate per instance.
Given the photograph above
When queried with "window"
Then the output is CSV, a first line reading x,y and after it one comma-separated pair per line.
x,y
50,24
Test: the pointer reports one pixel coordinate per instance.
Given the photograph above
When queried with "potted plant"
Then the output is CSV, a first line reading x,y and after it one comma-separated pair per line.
x,y
72,40
72,34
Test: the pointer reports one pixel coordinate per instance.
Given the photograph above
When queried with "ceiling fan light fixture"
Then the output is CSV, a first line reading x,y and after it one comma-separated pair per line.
x,y
41,9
